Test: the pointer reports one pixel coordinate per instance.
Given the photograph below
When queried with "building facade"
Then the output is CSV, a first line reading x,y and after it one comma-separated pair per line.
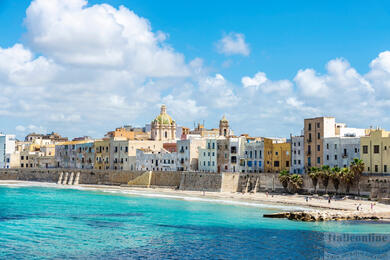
x,y
315,129
340,151
102,154
163,160
253,160
208,156
7,147
277,155
188,153
375,151
297,154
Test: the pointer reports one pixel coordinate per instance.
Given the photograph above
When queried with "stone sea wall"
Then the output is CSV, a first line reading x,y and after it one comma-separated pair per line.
x,y
376,187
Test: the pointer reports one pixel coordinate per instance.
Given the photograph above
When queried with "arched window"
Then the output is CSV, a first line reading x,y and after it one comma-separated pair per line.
x,y
166,134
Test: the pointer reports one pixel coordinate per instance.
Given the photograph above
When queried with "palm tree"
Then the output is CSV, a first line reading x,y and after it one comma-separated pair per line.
x,y
357,167
284,178
335,176
347,177
314,174
296,182
325,174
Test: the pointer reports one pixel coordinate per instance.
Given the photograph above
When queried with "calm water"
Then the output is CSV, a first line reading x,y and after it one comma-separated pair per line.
x,y
41,222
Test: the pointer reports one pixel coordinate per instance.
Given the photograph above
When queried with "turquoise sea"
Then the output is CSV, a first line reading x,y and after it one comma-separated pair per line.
x,y
55,223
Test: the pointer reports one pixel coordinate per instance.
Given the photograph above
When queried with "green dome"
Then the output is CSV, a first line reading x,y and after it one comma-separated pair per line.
x,y
163,117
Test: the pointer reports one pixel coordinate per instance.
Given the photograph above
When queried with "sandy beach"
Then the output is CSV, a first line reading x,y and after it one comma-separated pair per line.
x,y
286,202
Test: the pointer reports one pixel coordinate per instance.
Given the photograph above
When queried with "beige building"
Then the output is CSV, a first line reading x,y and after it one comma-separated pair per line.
x,y
123,152
375,151
315,129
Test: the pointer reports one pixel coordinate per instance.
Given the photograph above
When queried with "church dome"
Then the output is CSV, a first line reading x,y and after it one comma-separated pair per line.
x,y
163,117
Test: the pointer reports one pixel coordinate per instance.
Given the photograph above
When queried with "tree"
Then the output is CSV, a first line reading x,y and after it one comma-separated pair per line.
x,y
284,178
347,177
314,174
296,182
325,175
335,175
357,167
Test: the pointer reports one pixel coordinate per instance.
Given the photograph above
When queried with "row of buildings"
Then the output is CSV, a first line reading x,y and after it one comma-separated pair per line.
x,y
163,146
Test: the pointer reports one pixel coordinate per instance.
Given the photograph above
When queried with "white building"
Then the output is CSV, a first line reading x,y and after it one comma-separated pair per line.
x,y
297,154
253,160
340,151
188,153
148,160
7,147
208,157
236,152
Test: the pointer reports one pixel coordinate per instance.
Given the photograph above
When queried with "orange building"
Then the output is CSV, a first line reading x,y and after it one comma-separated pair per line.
x,y
277,155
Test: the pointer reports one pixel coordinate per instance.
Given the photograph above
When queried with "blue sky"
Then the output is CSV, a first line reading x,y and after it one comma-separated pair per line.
x,y
281,37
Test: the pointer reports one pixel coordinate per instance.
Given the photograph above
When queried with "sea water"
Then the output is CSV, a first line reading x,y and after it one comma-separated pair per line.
x,y
56,223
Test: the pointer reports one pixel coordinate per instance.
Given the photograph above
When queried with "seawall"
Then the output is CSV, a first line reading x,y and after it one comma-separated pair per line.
x,y
376,187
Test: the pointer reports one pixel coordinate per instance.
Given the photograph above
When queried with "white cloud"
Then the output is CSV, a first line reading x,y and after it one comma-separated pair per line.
x,y
217,92
233,44
260,81
73,33
100,67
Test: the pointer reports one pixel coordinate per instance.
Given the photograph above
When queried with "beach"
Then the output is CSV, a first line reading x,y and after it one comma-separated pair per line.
x,y
287,202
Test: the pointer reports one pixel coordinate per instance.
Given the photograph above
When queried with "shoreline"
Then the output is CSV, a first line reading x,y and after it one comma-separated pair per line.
x,y
260,199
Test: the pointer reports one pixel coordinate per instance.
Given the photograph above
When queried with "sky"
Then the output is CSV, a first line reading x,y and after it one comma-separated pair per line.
x,y
82,67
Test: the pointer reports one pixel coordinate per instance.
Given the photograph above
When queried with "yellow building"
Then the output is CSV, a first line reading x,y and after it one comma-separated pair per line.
x,y
277,155
375,151
102,154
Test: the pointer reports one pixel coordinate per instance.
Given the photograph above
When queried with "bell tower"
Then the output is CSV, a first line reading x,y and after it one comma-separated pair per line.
x,y
224,127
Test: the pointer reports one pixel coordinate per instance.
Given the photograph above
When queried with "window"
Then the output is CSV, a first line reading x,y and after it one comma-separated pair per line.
x,y
376,148
299,143
309,127
327,157
166,134
287,163
318,148
318,125
276,163
335,157
295,144
295,162
345,152
376,168
365,149
299,162
299,152
318,136
335,146
356,150
309,137
384,168
327,146
318,159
